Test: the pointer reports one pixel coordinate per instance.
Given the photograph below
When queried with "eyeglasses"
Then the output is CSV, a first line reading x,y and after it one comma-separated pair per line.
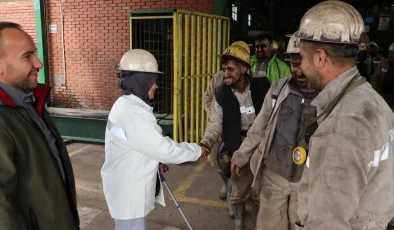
x,y
260,46
229,69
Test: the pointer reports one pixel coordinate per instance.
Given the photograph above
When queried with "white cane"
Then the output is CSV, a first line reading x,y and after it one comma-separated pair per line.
x,y
163,180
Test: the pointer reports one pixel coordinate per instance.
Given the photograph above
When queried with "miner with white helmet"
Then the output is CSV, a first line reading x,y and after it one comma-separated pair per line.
x,y
270,142
347,181
236,103
134,145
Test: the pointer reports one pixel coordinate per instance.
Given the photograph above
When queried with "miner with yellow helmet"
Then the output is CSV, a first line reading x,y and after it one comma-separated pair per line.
x,y
347,181
234,107
217,80
274,133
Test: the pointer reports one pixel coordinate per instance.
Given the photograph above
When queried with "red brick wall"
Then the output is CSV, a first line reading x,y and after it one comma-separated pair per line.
x,y
96,35
21,12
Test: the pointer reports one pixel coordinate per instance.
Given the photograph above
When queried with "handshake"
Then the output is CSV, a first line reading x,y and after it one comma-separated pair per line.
x,y
205,151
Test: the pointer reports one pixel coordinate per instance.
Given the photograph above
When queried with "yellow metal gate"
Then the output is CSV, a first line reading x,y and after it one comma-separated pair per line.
x,y
192,41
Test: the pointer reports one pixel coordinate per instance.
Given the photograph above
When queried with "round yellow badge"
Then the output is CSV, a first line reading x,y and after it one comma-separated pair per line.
x,y
226,159
299,155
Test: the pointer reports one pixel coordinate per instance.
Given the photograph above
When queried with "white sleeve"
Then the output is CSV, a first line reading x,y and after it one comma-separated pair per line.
x,y
145,136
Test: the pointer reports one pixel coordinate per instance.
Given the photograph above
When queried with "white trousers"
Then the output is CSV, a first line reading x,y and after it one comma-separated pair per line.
x,y
132,224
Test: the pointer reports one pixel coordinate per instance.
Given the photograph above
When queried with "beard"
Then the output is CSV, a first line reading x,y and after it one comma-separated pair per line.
x,y
230,81
314,83
262,54
313,79
27,82
302,81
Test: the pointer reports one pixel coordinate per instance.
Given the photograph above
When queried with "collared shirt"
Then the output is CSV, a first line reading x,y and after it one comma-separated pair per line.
x,y
26,100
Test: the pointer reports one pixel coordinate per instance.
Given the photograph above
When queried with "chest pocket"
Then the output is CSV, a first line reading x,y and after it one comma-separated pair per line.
x,y
285,110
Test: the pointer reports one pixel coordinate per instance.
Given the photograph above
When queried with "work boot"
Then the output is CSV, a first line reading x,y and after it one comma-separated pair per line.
x,y
230,206
239,213
253,216
223,191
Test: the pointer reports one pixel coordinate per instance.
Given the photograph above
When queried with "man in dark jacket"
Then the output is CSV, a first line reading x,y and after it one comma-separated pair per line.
x,y
37,188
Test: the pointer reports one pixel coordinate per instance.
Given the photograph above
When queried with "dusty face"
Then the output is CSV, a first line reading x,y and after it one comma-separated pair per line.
x,y
309,67
232,73
19,64
263,48
151,92
296,71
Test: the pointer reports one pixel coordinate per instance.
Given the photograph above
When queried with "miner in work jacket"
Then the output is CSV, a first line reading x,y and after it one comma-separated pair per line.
x,y
217,80
347,181
271,141
233,110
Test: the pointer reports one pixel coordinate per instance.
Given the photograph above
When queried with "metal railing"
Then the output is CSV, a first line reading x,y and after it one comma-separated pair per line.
x,y
154,34
200,38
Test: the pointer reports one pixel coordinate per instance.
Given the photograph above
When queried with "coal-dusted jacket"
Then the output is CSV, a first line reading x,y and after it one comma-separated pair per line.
x,y
348,176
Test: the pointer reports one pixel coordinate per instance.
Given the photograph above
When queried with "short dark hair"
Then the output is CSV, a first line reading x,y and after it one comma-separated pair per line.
x,y
6,25
262,37
226,58
339,53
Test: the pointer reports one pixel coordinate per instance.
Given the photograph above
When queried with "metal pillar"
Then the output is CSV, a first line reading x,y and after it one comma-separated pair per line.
x,y
39,6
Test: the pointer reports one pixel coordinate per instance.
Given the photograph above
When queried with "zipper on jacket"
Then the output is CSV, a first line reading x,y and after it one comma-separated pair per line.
x,y
294,166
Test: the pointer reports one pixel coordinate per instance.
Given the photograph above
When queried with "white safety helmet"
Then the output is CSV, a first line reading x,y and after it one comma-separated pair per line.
x,y
139,60
331,22
391,47
293,47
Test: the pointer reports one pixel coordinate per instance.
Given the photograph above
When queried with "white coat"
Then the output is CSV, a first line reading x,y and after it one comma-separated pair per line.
x,y
134,146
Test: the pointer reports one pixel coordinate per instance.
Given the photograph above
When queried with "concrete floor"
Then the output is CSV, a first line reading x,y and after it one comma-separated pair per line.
x,y
195,185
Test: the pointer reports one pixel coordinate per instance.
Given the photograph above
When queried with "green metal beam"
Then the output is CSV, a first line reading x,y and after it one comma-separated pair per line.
x,y
91,129
39,6
219,8
77,128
